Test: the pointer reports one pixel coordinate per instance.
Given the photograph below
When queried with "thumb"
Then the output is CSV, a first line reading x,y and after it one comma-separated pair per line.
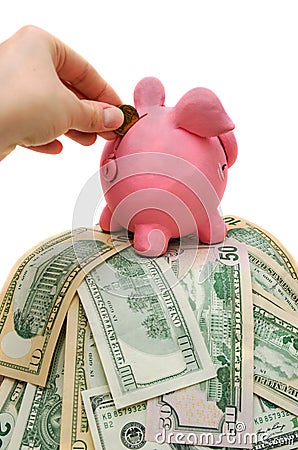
x,y
95,117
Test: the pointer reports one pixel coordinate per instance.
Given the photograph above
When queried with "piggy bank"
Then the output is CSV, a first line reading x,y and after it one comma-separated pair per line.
x,y
166,176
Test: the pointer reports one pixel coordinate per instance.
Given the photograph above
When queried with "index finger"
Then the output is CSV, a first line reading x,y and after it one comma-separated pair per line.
x,y
79,73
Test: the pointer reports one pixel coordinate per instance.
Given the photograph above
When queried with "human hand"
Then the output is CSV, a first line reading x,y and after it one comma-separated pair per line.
x,y
47,90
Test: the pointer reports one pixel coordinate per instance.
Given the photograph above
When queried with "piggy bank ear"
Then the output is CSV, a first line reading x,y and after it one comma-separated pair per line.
x,y
148,92
229,144
200,112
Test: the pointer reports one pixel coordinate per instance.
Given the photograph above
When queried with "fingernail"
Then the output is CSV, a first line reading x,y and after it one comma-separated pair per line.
x,y
112,117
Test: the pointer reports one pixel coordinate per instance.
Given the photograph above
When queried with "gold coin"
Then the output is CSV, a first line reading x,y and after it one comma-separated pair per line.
x,y
131,116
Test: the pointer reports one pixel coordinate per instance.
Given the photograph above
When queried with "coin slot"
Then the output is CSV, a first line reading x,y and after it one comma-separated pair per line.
x,y
119,138
117,143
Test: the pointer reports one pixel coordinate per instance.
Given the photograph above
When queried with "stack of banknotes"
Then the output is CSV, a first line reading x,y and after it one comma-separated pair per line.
x,y
103,349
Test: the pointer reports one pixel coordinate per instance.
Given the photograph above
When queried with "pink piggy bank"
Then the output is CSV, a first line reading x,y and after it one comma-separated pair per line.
x,y
166,176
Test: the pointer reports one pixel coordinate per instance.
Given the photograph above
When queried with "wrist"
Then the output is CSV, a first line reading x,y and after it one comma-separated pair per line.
x,y
6,136
8,126
5,149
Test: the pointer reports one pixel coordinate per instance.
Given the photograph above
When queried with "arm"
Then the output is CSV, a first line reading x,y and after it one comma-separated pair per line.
x,y
47,90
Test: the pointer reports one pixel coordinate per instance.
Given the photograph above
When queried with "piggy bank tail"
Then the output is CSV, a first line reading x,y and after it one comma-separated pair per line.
x,y
151,239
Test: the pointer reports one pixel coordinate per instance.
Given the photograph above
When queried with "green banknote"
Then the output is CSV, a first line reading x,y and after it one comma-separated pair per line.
x,y
39,420
273,270
37,294
11,397
75,430
276,354
117,429
274,427
217,412
256,237
145,332
95,376
272,282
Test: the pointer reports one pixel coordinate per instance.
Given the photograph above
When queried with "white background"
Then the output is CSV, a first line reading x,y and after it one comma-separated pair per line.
x,y
245,51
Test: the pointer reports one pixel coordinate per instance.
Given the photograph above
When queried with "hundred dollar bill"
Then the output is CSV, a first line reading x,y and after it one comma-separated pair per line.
x,y
36,296
275,355
11,397
274,427
75,431
146,335
95,376
39,419
117,428
254,236
271,281
217,412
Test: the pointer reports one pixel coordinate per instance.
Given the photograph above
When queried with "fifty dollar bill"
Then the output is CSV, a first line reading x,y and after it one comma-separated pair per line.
x,y
218,287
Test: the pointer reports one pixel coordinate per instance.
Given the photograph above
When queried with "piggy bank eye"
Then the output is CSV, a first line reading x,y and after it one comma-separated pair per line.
x,y
221,170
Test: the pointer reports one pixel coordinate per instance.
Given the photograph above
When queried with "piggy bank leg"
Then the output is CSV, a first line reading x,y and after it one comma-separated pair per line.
x,y
107,223
211,228
151,239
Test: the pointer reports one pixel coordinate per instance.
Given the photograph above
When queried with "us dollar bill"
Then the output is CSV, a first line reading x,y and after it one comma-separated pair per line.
x,y
256,237
95,375
36,297
145,332
39,420
11,397
217,412
75,430
271,281
113,428
274,427
275,355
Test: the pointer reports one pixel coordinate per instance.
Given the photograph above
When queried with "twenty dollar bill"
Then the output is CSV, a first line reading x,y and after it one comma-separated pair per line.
x,y
219,291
